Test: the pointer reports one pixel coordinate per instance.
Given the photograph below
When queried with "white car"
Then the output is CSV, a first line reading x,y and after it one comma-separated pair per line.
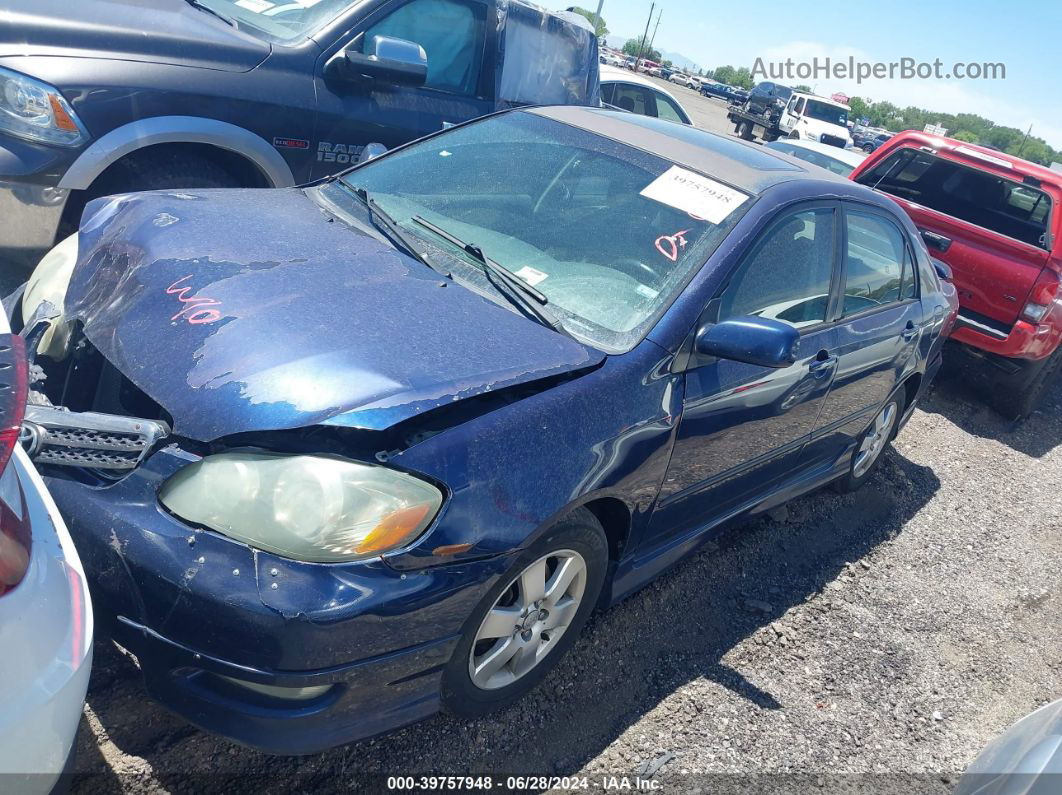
x,y
45,614
632,92
832,158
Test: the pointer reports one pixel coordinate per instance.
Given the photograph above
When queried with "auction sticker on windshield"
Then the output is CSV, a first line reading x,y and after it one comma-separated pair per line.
x,y
694,193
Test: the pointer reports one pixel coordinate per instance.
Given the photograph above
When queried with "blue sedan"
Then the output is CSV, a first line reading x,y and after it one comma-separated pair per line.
x,y
336,457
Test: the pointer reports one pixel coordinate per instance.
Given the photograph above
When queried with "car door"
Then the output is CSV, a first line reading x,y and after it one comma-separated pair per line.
x,y
878,326
455,35
743,427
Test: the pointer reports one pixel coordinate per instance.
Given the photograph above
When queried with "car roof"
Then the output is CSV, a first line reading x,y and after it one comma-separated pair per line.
x,y
977,156
743,165
610,74
848,156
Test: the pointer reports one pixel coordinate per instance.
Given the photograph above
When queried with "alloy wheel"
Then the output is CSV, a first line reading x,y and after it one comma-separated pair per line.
x,y
528,619
875,440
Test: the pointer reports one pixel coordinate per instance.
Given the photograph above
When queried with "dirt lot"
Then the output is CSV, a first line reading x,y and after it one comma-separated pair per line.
x,y
891,631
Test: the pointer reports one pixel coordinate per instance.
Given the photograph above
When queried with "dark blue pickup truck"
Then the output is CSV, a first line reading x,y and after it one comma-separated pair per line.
x,y
250,93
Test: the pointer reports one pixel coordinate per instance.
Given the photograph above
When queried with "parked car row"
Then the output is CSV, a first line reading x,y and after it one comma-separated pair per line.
x,y
339,456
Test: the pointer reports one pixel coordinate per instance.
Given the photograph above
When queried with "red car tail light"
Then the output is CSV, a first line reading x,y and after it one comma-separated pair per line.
x,y
15,539
1043,292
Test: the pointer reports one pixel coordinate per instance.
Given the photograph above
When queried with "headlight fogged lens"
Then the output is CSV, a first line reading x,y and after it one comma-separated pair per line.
x,y
37,111
310,508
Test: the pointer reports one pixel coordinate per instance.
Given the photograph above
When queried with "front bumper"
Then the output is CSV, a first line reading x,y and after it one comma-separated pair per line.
x,y
31,201
195,607
29,219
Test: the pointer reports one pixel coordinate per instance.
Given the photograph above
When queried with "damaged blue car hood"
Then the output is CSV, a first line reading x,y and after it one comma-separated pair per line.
x,y
243,310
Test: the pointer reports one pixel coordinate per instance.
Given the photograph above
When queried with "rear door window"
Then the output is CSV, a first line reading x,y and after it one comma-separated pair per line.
x,y
978,197
875,260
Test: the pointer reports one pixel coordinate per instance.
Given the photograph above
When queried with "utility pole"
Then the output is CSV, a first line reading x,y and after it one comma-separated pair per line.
x,y
659,14
1023,140
597,16
641,47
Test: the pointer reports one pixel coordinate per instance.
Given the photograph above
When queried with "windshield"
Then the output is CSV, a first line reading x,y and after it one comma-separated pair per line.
x,y
598,227
831,114
281,20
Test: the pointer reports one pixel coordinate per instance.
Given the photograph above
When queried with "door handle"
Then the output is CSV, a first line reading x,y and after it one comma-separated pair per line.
x,y
822,364
939,242
909,331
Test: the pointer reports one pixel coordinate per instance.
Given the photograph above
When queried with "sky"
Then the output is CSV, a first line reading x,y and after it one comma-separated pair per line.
x,y
1024,36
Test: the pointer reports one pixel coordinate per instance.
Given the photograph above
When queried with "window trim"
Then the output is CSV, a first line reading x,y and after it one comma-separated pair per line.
x,y
860,208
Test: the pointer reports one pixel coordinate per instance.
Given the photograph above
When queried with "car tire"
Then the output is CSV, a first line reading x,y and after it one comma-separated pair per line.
x,y
474,682
873,443
745,131
1019,403
868,148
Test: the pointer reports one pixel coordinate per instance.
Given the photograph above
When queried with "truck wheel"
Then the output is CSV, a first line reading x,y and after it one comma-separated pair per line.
x,y
1019,403
745,131
167,170
531,617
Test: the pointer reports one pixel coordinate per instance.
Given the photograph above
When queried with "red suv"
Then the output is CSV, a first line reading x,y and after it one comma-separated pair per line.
x,y
994,219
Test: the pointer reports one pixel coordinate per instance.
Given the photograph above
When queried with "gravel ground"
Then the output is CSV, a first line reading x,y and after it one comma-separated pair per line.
x,y
892,631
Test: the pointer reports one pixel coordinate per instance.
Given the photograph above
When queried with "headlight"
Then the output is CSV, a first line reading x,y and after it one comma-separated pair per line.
x,y
49,282
37,111
311,508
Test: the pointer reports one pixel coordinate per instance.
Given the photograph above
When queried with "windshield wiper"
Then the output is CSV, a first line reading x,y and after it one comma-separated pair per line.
x,y
203,7
504,280
389,226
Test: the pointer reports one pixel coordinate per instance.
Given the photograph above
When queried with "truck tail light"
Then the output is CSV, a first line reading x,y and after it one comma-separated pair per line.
x,y
1042,294
14,517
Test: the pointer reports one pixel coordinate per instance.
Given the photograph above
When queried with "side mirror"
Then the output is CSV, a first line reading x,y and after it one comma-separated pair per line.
x,y
943,269
370,151
388,59
761,341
